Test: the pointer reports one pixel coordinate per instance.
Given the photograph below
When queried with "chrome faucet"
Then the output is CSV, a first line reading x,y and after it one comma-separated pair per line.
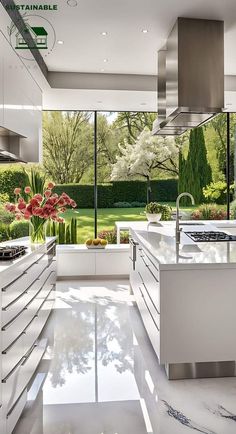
x,y
178,229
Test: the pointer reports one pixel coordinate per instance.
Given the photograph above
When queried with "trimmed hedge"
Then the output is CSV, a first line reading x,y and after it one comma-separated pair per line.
x,y
164,190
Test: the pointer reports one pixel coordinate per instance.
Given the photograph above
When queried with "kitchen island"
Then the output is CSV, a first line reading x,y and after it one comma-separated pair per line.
x,y
186,296
27,296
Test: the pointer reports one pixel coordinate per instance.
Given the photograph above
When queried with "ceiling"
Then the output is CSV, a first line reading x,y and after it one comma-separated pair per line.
x,y
127,49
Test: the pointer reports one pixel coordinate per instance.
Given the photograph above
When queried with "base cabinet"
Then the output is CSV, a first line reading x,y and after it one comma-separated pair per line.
x,y
188,312
28,303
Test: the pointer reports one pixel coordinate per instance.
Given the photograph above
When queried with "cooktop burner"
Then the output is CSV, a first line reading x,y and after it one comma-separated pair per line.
x,y
11,252
203,237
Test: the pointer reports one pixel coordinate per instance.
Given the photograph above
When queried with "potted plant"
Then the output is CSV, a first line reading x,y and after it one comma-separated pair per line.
x,y
153,212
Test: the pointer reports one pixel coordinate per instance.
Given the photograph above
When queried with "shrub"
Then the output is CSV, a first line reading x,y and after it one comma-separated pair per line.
x,y
5,216
122,205
19,229
164,190
209,212
136,204
233,209
111,236
217,191
4,232
10,179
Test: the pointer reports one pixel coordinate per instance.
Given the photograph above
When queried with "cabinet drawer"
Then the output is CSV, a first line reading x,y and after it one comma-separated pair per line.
x,y
152,331
36,326
16,317
15,412
153,312
16,272
150,279
15,383
13,291
12,355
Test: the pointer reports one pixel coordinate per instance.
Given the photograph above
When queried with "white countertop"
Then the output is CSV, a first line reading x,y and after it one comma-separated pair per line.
x,y
160,242
31,249
73,248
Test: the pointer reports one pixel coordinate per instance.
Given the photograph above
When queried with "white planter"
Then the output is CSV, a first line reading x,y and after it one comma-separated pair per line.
x,y
153,218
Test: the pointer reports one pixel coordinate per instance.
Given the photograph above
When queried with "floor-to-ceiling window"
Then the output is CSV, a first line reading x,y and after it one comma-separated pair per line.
x,y
111,165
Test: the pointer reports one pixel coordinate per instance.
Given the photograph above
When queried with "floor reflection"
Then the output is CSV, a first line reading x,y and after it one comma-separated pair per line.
x,y
101,376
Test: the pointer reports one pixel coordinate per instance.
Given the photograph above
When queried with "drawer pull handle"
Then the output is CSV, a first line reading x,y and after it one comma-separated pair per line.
x,y
9,324
148,309
13,343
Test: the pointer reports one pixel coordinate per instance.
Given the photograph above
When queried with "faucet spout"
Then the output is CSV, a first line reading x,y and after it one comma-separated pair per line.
x,y
178,229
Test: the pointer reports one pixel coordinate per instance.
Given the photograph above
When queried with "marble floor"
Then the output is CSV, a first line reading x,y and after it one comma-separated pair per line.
x,y
100,375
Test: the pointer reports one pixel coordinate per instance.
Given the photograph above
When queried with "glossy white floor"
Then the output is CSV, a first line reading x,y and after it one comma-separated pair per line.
x,y
100,375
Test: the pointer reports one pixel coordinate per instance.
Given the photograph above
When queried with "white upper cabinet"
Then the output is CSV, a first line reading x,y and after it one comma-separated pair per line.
x,y
22,102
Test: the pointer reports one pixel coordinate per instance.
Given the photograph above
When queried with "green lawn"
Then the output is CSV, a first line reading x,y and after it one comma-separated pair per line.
x,y
106,218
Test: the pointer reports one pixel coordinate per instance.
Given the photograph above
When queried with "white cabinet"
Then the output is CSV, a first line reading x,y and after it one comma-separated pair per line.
x,y
27,298
1,84
21,102
77,260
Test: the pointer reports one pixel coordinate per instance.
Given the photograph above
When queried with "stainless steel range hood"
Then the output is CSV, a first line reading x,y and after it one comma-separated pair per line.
x,y
10,146
190,76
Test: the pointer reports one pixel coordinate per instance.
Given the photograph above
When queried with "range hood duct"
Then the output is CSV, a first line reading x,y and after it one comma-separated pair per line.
x,y
190,76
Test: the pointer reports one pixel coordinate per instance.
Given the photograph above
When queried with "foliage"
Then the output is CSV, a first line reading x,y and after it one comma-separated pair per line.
x,y
65,232
217,192
233,209
122,205
209,212
10,179
111,236
68,145
4,198
141,158
195,171
133,123
36,181
163,190
19,229
166,212
5,216
156,208
153,208
4,232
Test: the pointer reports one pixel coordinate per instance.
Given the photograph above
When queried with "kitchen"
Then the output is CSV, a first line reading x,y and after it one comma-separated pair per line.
x,y
140,336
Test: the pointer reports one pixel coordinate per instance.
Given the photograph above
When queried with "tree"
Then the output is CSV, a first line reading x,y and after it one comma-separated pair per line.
x,y
133,123
195,171
68,145
141,158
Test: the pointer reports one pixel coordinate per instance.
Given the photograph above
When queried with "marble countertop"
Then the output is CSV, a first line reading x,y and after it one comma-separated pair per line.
x,y
160,242
31,250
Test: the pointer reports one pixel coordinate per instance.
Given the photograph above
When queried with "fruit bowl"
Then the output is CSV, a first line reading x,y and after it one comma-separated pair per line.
x,y
96,243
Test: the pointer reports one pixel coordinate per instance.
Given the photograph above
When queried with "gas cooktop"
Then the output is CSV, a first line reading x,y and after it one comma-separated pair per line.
x,y
203,237
11,252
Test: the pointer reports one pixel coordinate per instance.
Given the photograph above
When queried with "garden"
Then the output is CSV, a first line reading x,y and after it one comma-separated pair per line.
x,y
133,168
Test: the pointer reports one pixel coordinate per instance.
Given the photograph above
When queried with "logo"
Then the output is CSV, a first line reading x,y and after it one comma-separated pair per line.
x,y
39,34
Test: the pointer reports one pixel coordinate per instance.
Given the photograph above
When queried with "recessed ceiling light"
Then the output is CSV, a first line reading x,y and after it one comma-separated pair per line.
x,y
60,42
102,70
72,3
105,60
144,31
104,33
99,102
143,103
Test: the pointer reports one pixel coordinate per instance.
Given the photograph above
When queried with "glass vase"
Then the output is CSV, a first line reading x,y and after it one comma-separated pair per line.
x,y
37,231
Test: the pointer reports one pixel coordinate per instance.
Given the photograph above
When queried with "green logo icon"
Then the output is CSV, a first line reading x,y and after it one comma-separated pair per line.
x,y
39,36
